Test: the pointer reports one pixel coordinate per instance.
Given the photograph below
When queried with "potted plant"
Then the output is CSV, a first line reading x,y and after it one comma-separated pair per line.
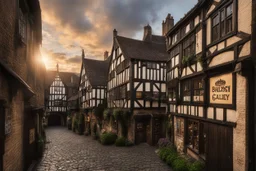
x,y
40,146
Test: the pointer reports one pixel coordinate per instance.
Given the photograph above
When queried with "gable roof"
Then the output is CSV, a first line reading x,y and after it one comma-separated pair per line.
x,y
96,71
154,50
64,76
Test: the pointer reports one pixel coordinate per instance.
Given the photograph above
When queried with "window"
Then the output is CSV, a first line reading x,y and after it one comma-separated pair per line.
x,y
222,22
198,94
8,121
174,39
138,94
189,46
151,65
186,91
179,127
194,88
172,94
22,27
193,135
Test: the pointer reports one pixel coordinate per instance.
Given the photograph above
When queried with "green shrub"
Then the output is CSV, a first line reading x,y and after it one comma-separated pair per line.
x,y
180,164
108,138
128,143
171,158
120,142
106,114
164,152
196,166
117,113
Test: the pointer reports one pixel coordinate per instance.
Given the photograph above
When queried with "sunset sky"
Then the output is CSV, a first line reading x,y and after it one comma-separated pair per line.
x,y
70,25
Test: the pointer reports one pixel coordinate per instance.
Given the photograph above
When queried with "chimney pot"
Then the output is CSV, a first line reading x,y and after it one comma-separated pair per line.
x,y
105,55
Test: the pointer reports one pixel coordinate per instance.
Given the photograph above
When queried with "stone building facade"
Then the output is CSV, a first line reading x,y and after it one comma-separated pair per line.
x,y
211,84
22,82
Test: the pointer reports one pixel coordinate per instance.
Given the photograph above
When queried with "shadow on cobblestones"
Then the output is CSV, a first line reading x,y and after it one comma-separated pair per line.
x,y
69,151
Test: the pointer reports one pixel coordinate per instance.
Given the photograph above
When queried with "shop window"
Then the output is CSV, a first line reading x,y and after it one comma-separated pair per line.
x,y
193,135
172,94
180,127
222,22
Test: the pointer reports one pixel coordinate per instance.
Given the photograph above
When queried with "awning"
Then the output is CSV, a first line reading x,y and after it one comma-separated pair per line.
x,y
26,87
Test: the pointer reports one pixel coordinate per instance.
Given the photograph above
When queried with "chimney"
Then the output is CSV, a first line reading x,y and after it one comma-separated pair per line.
x,y
147,33
82,53
105,55
167,24
114,33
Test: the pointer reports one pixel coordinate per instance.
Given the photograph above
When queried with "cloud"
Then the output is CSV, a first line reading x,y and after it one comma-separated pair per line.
x,y
70,25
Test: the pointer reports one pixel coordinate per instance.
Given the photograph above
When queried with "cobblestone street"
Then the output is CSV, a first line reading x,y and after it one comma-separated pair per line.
x,y
69,151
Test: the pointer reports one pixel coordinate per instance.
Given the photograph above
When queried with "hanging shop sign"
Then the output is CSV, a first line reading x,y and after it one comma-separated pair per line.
x,y
221,89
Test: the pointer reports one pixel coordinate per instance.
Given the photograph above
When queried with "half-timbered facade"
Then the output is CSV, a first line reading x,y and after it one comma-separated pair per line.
x,y
208,81
60,87
136,82
93,85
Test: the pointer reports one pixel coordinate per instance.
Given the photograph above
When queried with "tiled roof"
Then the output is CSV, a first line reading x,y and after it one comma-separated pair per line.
x,y
97,71
154,50
64,76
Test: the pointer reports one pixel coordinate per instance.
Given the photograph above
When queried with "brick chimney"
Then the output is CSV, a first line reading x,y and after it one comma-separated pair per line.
x,y
114,33
147,33
82,53
167,24
105,55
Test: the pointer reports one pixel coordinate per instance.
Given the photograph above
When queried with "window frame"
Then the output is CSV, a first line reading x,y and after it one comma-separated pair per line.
x,y
232,16
191,90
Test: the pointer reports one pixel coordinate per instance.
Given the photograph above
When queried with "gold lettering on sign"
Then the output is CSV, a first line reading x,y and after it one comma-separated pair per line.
x,y
221,89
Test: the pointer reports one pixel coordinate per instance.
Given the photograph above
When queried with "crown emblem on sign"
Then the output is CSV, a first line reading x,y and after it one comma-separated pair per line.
x,y
220,82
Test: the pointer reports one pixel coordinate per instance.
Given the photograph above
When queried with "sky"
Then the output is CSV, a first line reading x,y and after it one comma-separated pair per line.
x,y
72,25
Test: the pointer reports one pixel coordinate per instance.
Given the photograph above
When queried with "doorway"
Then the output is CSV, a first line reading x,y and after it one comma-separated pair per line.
x,y
54,120
219,147
143,132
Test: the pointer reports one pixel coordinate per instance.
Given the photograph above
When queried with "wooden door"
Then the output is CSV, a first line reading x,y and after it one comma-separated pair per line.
x,y
140,132
219,146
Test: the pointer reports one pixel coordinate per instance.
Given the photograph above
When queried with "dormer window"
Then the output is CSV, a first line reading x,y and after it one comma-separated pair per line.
x,y
22,27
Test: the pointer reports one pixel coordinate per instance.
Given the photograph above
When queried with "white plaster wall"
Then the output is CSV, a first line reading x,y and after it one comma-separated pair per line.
x,y
199,42
239,138
244,15
222,58
245,49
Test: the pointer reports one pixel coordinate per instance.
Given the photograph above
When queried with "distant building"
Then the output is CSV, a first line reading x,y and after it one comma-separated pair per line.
x,y
60,86
211,83
137,83
22,83
93,85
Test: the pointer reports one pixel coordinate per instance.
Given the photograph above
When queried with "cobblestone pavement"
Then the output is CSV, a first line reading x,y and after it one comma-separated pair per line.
x,y
69,151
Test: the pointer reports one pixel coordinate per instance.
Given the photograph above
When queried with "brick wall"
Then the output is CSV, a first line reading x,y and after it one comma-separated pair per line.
x,y
25,60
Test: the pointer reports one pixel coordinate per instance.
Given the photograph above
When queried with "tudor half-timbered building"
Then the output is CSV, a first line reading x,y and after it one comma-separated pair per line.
x,y
136,82
60,86
93,85
209,81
